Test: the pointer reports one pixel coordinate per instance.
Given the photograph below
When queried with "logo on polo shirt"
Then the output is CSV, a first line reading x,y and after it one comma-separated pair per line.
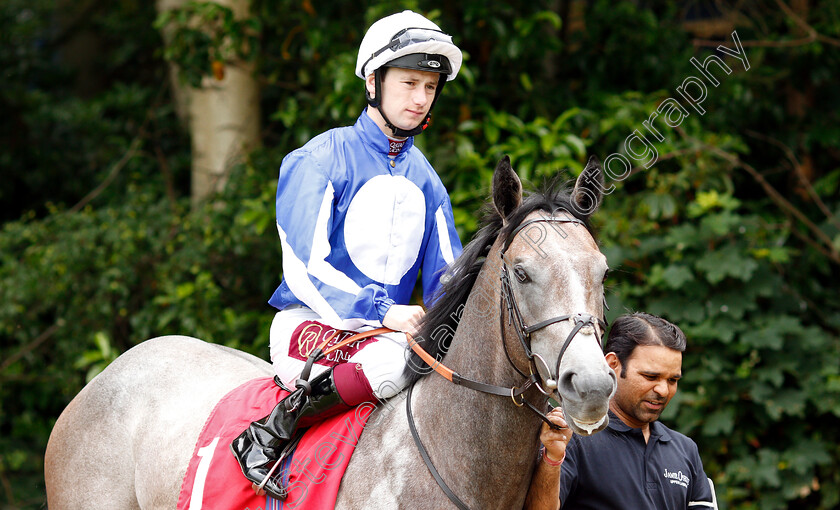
x,y
677,478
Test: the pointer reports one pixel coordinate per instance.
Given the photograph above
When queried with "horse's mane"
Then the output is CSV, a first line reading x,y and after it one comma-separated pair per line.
x,y
441,319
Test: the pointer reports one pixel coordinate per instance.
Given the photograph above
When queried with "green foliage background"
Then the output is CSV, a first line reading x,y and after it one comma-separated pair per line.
x,y
733,234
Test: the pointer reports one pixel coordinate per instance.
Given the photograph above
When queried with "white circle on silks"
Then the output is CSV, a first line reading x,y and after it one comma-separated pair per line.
x,y
384,227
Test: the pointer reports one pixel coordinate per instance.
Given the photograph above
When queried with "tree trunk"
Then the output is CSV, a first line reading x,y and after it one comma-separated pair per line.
x,y
222,115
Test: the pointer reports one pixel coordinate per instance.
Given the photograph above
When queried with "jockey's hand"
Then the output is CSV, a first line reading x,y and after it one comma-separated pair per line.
x,y
403,318
555,441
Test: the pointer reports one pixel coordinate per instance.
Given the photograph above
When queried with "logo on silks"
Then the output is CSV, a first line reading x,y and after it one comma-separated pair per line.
x,y
395,146
311,335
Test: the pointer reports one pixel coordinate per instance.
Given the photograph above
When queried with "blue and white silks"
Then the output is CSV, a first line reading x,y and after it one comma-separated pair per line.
x,y
357,226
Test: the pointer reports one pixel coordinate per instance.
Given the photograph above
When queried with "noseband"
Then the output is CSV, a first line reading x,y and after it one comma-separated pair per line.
x,y
580,320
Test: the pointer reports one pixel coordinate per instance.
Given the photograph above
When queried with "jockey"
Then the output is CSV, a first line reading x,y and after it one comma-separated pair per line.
x,y
361,213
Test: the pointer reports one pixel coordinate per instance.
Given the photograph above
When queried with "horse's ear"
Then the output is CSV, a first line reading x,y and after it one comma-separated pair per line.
x,y
507,189
589,188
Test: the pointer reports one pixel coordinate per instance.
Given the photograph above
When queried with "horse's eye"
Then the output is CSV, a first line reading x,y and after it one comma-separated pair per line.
x,y
521,275
606,274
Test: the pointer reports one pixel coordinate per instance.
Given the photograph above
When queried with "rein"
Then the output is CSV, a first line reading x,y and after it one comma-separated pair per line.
x,y
537,365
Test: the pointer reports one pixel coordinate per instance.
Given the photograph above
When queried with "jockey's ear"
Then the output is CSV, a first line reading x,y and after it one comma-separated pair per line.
x,y
589,188
507,189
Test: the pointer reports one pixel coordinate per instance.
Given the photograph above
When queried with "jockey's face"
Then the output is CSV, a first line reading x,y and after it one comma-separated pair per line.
x,y
407,96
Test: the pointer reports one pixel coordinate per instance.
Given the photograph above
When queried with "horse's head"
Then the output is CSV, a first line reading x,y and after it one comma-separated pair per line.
x,y
553,285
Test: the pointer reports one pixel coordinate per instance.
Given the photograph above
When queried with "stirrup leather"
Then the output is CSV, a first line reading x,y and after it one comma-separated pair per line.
x,y
282,493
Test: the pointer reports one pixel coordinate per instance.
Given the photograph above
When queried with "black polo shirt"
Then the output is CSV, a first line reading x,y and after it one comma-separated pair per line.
x,y
615,470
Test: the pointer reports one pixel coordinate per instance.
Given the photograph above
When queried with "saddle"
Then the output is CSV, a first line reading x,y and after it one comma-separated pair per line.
x,y
311,472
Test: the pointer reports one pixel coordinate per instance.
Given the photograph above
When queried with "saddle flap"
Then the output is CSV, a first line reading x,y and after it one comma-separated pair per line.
x,y
312,473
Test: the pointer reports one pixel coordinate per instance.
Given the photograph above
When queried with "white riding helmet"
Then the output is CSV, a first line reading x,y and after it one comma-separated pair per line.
x,y
402,34
409,41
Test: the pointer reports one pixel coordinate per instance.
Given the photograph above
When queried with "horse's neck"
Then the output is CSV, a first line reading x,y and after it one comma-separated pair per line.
x,y
479,438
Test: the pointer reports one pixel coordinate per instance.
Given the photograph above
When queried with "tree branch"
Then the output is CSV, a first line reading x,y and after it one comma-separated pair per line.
x,y
7,488
816,309
118,166
797,166
812,32
43,337
827,247
82,19
759,44
115,170
812,36
664,157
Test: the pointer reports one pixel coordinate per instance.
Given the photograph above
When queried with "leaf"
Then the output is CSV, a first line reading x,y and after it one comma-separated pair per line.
x,y
777,254
772,333
683,236
103,343
576,143
87,359
806,454
677,308
547,142
491,133
828,184
184,290
525,81
726,262
767,468
660,205
675,276
734,303
719,422
551,17
722,224
563,118
770,374
785,402
722,329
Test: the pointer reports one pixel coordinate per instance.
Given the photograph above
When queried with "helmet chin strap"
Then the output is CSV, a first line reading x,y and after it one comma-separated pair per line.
x,y
376,102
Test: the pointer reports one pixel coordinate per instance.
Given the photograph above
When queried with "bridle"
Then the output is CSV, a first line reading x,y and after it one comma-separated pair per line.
x,y
523,332
537,365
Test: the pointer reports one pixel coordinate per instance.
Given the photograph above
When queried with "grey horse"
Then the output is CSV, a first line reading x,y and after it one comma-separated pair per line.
x,y
126,439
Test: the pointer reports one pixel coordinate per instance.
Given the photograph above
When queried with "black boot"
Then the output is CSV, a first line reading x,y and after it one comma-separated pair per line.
x,y
261,443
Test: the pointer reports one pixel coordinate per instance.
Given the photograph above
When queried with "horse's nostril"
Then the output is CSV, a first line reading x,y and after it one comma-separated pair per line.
x,y
587,384
566,384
